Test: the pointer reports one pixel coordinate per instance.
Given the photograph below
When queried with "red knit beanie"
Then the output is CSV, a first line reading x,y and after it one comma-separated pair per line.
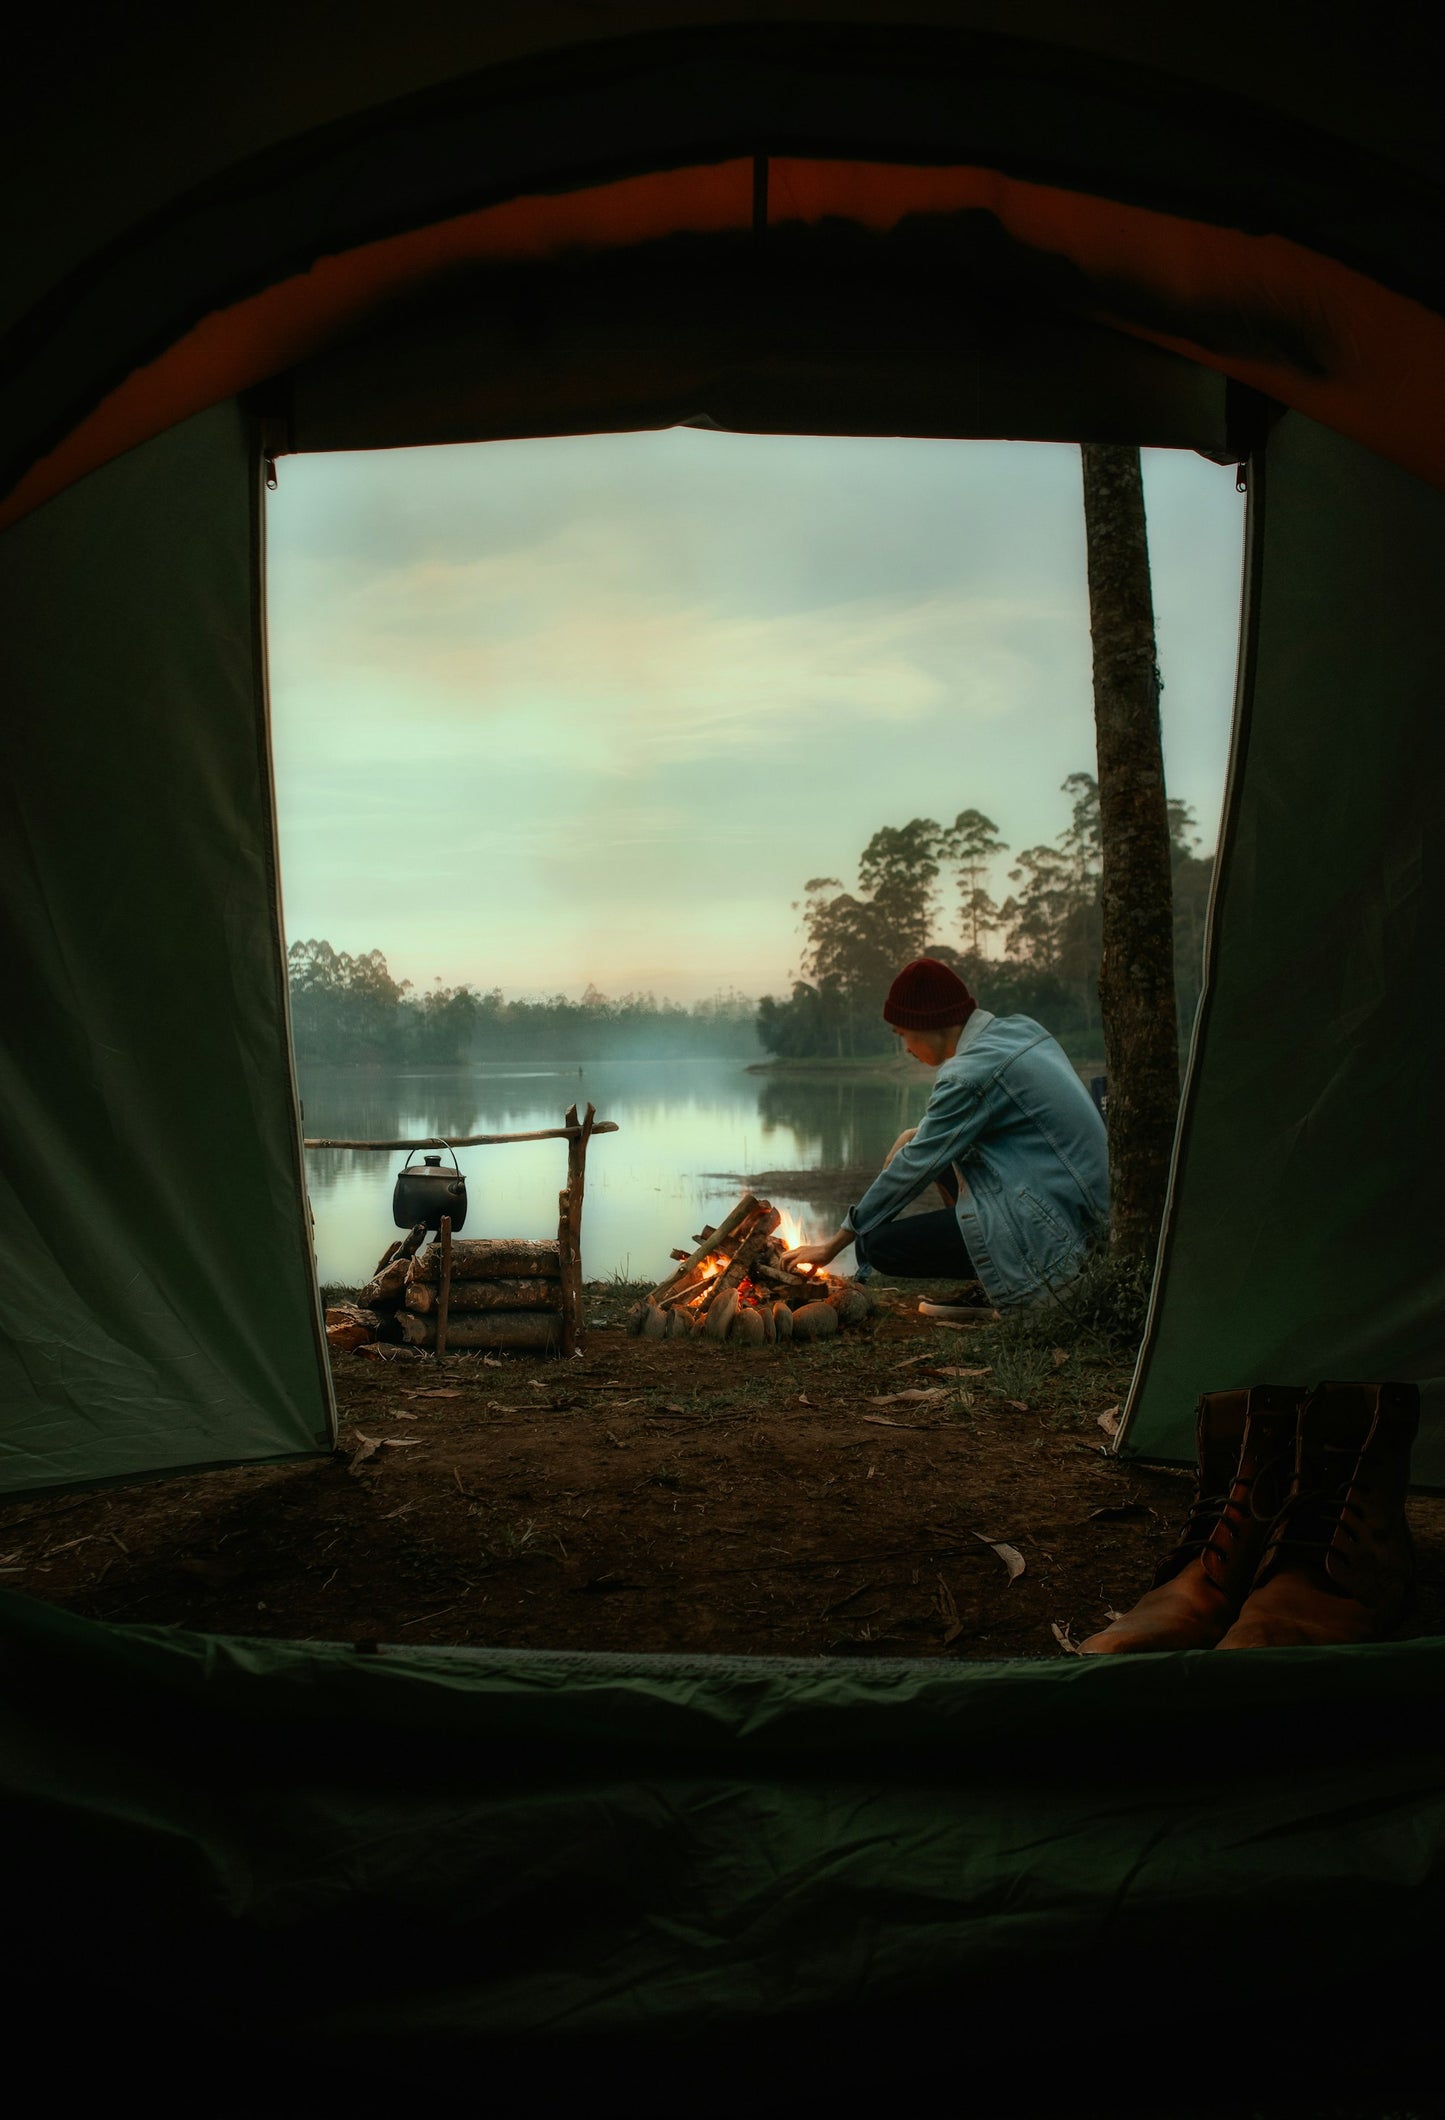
x,y
927,996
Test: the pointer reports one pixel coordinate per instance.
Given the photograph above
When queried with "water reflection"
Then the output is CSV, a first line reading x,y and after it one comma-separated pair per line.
x,y
648,1186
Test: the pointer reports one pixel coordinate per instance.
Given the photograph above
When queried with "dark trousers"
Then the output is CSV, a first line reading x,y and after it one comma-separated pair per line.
x,y
918,1248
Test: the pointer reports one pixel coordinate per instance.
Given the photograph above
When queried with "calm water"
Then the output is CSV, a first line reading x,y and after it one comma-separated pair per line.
x,y
647,1185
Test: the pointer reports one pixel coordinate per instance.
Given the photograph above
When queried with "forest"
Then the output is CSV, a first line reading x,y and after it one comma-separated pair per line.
x,y
348,1011
923,889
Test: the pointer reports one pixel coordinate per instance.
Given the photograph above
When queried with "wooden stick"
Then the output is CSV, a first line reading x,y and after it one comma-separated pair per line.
x,y
576,1184
546,1133
745,1208
445,1296
757,1236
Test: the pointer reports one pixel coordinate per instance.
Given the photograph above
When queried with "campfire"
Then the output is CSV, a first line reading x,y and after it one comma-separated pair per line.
x,y
737,1285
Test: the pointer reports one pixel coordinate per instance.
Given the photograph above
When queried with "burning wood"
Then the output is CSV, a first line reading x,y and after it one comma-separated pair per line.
x,y
737,1285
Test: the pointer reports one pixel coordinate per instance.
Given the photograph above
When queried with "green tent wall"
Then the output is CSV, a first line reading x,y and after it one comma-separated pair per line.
x,y
159,1305
1301,1239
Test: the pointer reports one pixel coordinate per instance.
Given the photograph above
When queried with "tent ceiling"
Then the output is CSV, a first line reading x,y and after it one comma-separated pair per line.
x,y
947,330
1301,262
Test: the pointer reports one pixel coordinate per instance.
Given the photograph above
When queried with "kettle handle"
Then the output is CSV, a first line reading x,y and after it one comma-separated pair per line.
x,y
438,1143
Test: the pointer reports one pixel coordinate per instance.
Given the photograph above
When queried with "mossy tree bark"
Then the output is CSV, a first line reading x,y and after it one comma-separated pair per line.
x,y
1136,976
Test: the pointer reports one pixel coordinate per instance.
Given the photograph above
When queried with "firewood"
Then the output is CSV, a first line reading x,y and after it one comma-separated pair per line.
x,y
492,1259
343,1339
750,1243
348,1326
353,1314
714,1241
386,1288
485,1295
532,1329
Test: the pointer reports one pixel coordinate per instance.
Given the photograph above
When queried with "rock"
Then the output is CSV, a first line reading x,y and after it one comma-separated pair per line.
x,y
748,1328
721,1315
636,1318
782,1321
654,1324
815,1321
770,1330
853,1305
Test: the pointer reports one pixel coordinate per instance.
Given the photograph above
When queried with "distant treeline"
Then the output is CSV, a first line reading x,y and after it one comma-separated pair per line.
x,y
349,1011
1049,926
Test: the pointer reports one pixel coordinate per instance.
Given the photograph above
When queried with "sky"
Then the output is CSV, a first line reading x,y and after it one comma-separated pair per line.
x,y
596,708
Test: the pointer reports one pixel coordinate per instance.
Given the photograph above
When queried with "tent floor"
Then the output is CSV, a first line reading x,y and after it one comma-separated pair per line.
x,y
660,1497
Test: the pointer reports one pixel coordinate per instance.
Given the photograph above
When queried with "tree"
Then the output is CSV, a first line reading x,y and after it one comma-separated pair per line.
x,y
971,843
1136,967
899,871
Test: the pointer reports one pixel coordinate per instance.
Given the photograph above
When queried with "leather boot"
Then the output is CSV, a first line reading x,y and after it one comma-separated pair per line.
x,y
1246,1447
1339,1566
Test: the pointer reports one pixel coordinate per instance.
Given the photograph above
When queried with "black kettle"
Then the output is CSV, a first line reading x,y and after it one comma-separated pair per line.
x,y
427,1192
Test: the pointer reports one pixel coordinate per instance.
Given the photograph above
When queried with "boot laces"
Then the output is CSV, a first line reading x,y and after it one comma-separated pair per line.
x,y
1314,1516
1210,1514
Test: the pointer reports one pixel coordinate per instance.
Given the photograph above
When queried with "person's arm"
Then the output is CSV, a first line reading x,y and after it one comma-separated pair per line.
x,y
954,1118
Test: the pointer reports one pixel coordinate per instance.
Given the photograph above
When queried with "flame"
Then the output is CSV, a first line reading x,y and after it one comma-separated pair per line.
x,y
790,1230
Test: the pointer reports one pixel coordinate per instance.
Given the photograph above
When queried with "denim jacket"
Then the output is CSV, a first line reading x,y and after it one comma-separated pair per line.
x,y
1027,1146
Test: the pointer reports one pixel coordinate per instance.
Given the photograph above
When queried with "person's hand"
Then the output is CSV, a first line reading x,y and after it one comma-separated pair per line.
x,y
814,1254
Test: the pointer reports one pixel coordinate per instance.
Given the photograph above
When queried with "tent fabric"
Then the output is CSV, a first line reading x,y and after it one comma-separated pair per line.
x,y
944,327
1301,1240
1198,221
158,1304
401,1856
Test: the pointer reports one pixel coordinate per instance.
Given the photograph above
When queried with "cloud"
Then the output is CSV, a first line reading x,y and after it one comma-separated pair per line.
x,y
605,703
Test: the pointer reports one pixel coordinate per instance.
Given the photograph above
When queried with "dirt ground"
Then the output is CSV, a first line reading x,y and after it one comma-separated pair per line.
x,y
662,1496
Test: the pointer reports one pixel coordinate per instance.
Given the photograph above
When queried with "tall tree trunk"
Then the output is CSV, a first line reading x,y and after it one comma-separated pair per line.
x,y
1136,973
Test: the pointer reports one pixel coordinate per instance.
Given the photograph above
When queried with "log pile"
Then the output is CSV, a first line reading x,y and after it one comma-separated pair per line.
x,y
489,1292
736,1285
503,1292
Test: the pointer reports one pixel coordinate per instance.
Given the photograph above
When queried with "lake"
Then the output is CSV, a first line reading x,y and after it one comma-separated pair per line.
x,y
648,1186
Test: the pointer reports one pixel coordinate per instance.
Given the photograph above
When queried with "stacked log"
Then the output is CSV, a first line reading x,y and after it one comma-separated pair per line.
x,y
737,1285
505,1292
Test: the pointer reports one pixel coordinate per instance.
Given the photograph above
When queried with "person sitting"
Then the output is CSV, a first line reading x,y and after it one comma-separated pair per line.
x,y
1011,1137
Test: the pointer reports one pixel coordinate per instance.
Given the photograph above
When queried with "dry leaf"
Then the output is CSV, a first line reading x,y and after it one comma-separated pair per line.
x,y
1118,1513
1061,1355
1018,1405
1012,1559
1110,1613
965,1372
803,1399
403,1442
1109,1420
910,1359
398,1415
366,1446
917,1394
496,1406
1064,1639
435,1394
